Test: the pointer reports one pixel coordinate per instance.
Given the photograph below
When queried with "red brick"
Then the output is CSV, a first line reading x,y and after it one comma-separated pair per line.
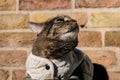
x,y
104,19
89,39
4,74
97,3
7,5
18,74
114,75
44,4
13,21
104,57
112,38
81,17
16,39
12,58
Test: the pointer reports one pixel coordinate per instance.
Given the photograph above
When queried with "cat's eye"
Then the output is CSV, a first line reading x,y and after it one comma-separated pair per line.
x,y
59,20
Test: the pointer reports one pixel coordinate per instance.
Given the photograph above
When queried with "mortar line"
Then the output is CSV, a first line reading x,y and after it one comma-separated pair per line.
x,y
13,68
82,29
103,38
16,30
97,48
14,12
31,14
100,29
99,9
88,19
10,74
67,10
73,4
9,48
17,5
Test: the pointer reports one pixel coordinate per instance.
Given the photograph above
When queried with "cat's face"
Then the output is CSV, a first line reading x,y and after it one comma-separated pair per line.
x,y
61,27
56,37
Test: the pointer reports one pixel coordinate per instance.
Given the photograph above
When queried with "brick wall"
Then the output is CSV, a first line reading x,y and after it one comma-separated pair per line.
x,y
99,38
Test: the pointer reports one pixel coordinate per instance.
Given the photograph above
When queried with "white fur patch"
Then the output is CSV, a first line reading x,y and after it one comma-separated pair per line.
x,y
68,35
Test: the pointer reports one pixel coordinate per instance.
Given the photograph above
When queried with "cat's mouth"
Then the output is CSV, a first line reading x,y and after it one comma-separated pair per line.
x,y
74,28
71,33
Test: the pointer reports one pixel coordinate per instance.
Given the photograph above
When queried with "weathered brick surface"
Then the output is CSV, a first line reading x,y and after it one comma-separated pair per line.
x,y
17,39
13,21
18,74
93,14
114,75
81,17
104,57
44,4
4,74
89,39
12,58
104,19
7,5
112,38
97,3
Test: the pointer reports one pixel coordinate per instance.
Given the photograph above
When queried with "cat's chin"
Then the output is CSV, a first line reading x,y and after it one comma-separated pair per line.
x,y
69,35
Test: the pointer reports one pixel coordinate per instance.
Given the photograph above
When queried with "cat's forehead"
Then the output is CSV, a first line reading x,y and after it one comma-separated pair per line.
x,y
65,17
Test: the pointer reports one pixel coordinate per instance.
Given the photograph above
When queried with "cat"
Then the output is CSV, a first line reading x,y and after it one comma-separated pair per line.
x,y
58,37
54,54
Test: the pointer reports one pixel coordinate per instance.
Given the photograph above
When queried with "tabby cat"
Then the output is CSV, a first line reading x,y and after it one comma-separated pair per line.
x,y
54,54
58,36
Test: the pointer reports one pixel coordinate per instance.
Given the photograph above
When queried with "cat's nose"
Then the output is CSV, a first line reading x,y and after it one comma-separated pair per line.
x,y
73,20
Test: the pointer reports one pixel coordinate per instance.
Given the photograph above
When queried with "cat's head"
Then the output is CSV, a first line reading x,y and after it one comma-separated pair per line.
x,y
56,37
61,27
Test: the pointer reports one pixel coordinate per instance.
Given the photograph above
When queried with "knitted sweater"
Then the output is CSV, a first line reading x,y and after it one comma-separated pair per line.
x,y
42,68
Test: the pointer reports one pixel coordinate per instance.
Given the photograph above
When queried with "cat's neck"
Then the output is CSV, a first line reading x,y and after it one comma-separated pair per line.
x,y
53,48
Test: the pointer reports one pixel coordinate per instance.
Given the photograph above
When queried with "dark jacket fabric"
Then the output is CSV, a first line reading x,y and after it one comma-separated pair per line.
x,y
85,66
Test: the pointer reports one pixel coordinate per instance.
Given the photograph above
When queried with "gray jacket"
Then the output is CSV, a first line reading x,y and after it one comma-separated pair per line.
x,y
42,68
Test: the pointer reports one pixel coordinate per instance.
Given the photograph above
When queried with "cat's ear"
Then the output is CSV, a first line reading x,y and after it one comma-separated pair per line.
x,y
36,27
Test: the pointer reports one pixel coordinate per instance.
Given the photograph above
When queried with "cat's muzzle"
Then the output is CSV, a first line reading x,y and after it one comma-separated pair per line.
x,y
74,28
